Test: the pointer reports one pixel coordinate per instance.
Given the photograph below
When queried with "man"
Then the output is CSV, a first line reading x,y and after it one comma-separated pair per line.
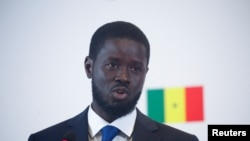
x,y
117,64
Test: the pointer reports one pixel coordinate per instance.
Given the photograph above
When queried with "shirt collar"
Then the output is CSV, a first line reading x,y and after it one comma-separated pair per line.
x,y
125,123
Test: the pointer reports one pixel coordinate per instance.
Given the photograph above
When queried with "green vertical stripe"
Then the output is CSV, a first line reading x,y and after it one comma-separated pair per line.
x,y
156,104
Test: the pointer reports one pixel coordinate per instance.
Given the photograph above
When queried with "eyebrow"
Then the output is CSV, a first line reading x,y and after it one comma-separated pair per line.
x,y
115,59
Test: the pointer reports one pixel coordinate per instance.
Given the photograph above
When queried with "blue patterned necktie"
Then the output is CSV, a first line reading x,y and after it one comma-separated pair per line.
x,y
109,132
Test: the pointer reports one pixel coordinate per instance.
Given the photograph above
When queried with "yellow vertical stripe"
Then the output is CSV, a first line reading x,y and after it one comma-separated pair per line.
x,y
174,105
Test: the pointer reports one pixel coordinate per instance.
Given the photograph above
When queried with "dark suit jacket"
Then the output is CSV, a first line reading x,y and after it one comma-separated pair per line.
x,y
145,130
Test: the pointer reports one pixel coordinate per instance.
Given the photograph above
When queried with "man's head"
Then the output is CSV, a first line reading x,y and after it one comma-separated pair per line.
x,y
117,29
117,64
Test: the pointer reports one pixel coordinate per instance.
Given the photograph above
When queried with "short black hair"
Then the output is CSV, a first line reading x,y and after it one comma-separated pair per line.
x,y
117,29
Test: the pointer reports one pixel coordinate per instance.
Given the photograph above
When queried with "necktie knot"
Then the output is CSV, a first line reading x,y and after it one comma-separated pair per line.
x,y
109,132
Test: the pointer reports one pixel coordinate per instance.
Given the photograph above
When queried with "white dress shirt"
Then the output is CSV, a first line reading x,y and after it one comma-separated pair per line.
x,y
125,124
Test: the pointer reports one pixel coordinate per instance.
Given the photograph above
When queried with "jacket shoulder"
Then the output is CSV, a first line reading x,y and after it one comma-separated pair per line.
x,y
154,129
56,131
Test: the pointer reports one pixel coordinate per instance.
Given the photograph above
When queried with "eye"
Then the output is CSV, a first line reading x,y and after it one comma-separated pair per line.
x,y
136,68
111,66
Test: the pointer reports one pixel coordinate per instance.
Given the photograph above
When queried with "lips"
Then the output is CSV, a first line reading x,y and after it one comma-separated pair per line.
x,y
120,92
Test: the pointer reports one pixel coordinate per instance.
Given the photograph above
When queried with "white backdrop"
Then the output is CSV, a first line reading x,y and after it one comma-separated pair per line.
x,y
43,44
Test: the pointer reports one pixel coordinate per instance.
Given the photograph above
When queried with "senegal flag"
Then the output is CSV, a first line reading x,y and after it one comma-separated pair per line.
x,y
179,104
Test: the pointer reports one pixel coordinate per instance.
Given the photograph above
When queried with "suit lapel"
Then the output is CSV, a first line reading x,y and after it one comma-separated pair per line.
x,y
79,125
144,129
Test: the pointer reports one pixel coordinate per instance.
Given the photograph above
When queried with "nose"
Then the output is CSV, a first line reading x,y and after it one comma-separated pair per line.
x,y
123,75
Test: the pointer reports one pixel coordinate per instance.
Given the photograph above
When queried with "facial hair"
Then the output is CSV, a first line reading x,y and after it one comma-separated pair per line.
x,y
116,109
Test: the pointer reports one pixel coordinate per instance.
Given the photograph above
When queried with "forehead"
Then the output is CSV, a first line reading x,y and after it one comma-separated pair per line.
x,y
122,48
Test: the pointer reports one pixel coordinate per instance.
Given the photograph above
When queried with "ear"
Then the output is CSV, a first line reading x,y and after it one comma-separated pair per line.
x,y
88,65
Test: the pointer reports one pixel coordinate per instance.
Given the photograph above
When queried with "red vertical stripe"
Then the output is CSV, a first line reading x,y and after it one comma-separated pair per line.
x,y
194,103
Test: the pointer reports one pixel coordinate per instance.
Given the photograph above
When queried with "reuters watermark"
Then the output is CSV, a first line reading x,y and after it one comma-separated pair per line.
x,y
236,132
